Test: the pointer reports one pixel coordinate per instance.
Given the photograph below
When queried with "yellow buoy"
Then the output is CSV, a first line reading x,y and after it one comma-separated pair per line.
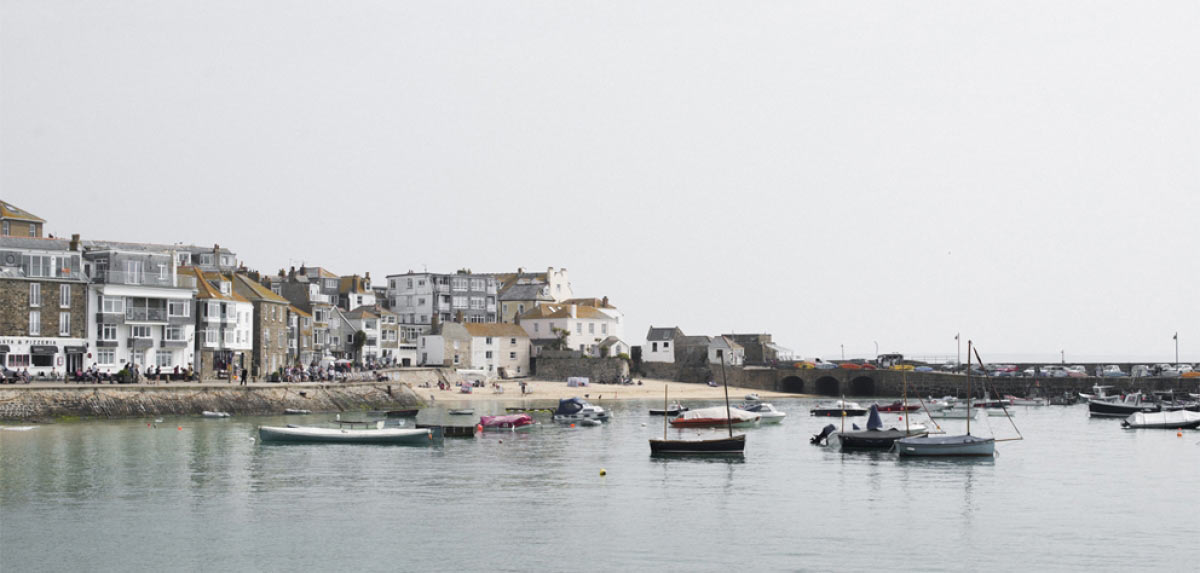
x,y
603,472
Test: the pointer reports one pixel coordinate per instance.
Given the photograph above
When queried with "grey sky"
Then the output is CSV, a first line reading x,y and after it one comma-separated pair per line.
x,y
834,173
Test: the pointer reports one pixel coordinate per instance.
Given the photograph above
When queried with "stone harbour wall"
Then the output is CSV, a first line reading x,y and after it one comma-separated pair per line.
x,y
595,369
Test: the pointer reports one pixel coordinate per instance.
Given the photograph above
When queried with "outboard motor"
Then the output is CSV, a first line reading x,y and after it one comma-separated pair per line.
x,y
818,438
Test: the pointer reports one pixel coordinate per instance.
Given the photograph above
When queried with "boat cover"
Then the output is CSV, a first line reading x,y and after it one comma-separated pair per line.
x,y
1175,419
719,412
963,440
511,420
568,406
874,422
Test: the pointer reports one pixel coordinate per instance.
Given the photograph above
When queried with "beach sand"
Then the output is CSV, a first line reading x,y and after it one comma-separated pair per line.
x,y
552,391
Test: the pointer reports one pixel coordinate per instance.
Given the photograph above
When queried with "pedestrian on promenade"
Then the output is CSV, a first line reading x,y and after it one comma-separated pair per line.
x,y
244,373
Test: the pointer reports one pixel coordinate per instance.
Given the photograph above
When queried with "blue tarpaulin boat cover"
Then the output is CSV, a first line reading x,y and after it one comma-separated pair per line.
x,y
874,422
568,406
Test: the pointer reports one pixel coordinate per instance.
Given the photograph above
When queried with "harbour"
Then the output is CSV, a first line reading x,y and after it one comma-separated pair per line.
x,y
209,496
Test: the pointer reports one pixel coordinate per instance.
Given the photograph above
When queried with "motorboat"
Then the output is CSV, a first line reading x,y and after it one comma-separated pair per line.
x,y
946,446
673,410
576,410
1113,371
874,437
296,411
377,435
1015,401
1099,393
509,423
752,397
715,417
208,414
935,404
1000,412
839,408
766,411
402,413
1178,419
462,412
899,406
1132,404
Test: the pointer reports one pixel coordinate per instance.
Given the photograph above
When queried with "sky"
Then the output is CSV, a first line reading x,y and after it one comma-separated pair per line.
x,y
842,175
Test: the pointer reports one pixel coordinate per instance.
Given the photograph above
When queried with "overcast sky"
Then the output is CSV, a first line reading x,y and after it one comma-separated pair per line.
x,y
834,173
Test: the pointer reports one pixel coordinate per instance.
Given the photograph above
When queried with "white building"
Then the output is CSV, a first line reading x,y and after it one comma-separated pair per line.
x,y
225,326
495,349
723,349
417,298
583,328
141,309
660,345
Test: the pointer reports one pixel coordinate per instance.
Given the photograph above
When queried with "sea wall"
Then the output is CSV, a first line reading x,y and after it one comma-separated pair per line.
x,y
595,369
36,403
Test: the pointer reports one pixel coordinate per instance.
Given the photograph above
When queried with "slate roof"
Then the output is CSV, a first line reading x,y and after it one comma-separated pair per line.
x,y
561,311
663,334
206,291
693,341
257,290
592,301
526,292
607,342
299,311
361,313
352,284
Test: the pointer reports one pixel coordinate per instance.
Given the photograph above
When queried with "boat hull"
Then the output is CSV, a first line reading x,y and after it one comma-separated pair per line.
x,y
344,436
953,414
716,446
711,423
1102,409
946,446
837,412
871,439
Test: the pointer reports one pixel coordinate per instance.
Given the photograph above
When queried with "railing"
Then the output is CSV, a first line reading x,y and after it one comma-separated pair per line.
x,y
144,278
441,288
320,298
147,314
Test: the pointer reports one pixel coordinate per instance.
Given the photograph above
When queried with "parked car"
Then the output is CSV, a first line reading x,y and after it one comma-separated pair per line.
x,y
1141,371
1054,371
1112,371
1166,371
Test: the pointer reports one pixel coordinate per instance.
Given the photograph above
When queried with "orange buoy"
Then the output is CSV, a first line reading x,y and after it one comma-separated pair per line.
x,y
179,428
572,425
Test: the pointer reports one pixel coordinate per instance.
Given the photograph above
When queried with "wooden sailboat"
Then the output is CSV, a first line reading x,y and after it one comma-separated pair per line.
x,y
944,446
732,445
875,437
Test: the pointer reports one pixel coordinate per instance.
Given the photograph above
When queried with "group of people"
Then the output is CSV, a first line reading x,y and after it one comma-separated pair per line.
x,y
15,377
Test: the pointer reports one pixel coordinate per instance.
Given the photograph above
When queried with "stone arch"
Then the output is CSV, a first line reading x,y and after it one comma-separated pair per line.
x,y
862,386
828,386
792,384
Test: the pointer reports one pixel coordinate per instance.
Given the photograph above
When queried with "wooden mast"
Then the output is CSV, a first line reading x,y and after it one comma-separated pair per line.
x,y
970,412
665,414
725,382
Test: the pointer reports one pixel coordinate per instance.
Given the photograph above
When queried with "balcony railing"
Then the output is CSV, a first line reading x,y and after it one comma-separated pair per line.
x,y
146,314
144,278
320,298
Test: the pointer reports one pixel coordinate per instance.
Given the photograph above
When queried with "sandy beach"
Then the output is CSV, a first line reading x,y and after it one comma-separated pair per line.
x,y
650,389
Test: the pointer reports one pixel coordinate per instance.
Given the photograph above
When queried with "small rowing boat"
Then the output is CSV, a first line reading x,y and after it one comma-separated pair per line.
x,y
377,435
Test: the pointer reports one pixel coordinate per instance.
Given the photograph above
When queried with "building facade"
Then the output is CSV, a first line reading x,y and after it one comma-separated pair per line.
x,y
224,327
271,342
43,306
660,344
16,222
421,299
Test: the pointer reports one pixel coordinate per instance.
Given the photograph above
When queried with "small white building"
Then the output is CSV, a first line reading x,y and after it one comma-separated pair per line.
x,y
612,347
660,345
582,328
724,350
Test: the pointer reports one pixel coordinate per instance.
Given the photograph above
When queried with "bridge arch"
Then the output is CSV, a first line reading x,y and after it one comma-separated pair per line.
x,y
862,386
828,386
792,384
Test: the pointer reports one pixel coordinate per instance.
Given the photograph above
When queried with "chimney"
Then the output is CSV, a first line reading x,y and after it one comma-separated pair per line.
x,y
458,317
604,302
75,242
572,311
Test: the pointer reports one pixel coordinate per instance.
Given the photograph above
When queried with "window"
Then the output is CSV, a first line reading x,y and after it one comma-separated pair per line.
x,y
456,359
64,324
138,357
64,296
604,330
38,265
5,230
267,337
591,328
330,284
18,360
182,259
226,288
230,337
212,309
227,260
512,355
140,331
108,332
477,284
178,308
173,333
105,356
35,294
35,323
206,260
162,272
512,341
164,358
488,355
488,341
133,272
112,305
653,347
32,230
535,327
578,328
477,303
458,283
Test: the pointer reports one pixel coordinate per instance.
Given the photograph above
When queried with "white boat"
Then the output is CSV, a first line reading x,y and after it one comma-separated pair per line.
x,y
752,397
208,414
1015,401
464,412
296,411
1000,412
715,417
1178,419
377,435
577,410
953,414
938,404
767,411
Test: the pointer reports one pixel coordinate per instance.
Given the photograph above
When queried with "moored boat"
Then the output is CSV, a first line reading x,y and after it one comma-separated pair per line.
x,y
463,412
377,435
296,411
953,414
899,406
839,408
874,437
717,446
671,410
965,445
209,414
577,410
403,413
509,423
715,417
1178,419
766,411
1015,401
1132,404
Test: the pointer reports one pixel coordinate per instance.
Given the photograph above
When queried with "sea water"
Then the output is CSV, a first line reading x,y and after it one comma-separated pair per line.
x,y
205,494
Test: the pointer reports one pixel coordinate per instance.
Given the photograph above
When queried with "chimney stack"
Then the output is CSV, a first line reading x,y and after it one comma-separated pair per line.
x,y
572,311
75,242
604,302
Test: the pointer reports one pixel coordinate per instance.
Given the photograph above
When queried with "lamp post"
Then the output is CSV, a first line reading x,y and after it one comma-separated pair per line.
x,y
877,348
958,352
1063,354
843,351
1177,349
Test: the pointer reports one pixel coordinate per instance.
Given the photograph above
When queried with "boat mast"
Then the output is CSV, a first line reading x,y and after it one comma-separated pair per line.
x,y
665,414
970,412
725,382
904,379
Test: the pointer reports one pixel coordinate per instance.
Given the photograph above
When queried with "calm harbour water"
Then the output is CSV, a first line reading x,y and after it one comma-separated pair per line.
x,y
1076,494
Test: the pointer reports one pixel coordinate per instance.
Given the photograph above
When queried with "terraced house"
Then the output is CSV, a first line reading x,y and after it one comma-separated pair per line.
x,y
315,296
43,305
271,341
140,306
419,298
224,326
16,222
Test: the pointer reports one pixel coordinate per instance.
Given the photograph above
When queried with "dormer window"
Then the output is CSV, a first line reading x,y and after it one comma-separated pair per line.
x,y
226,288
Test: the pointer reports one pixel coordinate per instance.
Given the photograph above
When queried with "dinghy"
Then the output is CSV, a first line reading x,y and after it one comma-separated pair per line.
x,y
312,434
1177,419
